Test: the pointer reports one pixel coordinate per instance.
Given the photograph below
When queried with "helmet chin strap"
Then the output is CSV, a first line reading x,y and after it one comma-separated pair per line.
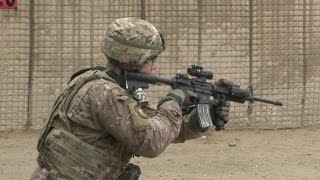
x,y
118,66
129,67
119,73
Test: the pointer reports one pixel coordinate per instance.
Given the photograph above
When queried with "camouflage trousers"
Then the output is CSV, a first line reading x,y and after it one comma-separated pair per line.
x,y
43,174
40,174
132,172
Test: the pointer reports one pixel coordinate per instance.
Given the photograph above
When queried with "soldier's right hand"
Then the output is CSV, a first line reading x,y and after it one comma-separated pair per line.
x,y
185,99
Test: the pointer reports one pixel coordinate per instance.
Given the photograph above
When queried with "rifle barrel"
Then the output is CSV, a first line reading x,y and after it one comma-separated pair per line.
x,y
277,103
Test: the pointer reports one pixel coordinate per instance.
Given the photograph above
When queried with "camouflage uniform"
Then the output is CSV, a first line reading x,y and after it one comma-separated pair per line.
x,y
106,117
95,126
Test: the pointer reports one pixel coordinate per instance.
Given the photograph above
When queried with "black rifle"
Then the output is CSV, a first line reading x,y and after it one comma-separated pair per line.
x,y
198,85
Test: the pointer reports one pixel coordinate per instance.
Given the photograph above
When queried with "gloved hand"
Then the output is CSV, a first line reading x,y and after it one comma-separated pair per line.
x,y
225,82
185,99
220,111
220,106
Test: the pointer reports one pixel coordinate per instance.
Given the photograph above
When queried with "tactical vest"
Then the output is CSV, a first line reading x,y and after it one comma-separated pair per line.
x,y
65,155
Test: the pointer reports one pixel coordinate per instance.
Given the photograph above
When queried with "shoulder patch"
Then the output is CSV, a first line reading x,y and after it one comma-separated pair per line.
x,y
140,119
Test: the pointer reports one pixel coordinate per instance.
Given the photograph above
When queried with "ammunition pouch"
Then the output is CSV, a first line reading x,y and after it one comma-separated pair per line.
x,y
68,157
132,172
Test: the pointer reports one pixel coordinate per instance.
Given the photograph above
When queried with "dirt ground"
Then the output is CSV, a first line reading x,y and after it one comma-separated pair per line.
x,y
292,154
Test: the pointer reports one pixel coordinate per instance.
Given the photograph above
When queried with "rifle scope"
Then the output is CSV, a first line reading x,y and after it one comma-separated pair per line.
x,y
198,72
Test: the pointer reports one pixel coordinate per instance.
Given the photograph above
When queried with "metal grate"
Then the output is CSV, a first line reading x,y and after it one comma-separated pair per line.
x,y
271,44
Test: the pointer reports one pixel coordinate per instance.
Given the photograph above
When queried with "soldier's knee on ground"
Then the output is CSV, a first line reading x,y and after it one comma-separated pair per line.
x,y
40,174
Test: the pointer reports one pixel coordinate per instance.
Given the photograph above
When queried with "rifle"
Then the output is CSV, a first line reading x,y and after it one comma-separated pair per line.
x,y
198,85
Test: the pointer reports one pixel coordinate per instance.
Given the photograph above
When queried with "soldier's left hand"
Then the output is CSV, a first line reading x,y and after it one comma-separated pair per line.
x,y
220,111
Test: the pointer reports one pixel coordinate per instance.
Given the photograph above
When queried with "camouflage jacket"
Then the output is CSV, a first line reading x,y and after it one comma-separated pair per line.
x,y
104,116
103,109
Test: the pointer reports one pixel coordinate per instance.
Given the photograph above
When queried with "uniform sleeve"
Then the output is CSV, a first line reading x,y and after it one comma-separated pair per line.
x,y
190,128
126,121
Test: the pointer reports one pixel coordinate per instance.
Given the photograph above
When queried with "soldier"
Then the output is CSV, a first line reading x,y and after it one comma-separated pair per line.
x,y
96,126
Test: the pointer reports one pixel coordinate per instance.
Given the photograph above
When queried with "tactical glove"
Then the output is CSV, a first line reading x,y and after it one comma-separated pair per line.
x,y
185,99
220,111
178,95
220,106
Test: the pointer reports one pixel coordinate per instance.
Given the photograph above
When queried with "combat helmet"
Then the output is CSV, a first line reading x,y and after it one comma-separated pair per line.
x,y
132,41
